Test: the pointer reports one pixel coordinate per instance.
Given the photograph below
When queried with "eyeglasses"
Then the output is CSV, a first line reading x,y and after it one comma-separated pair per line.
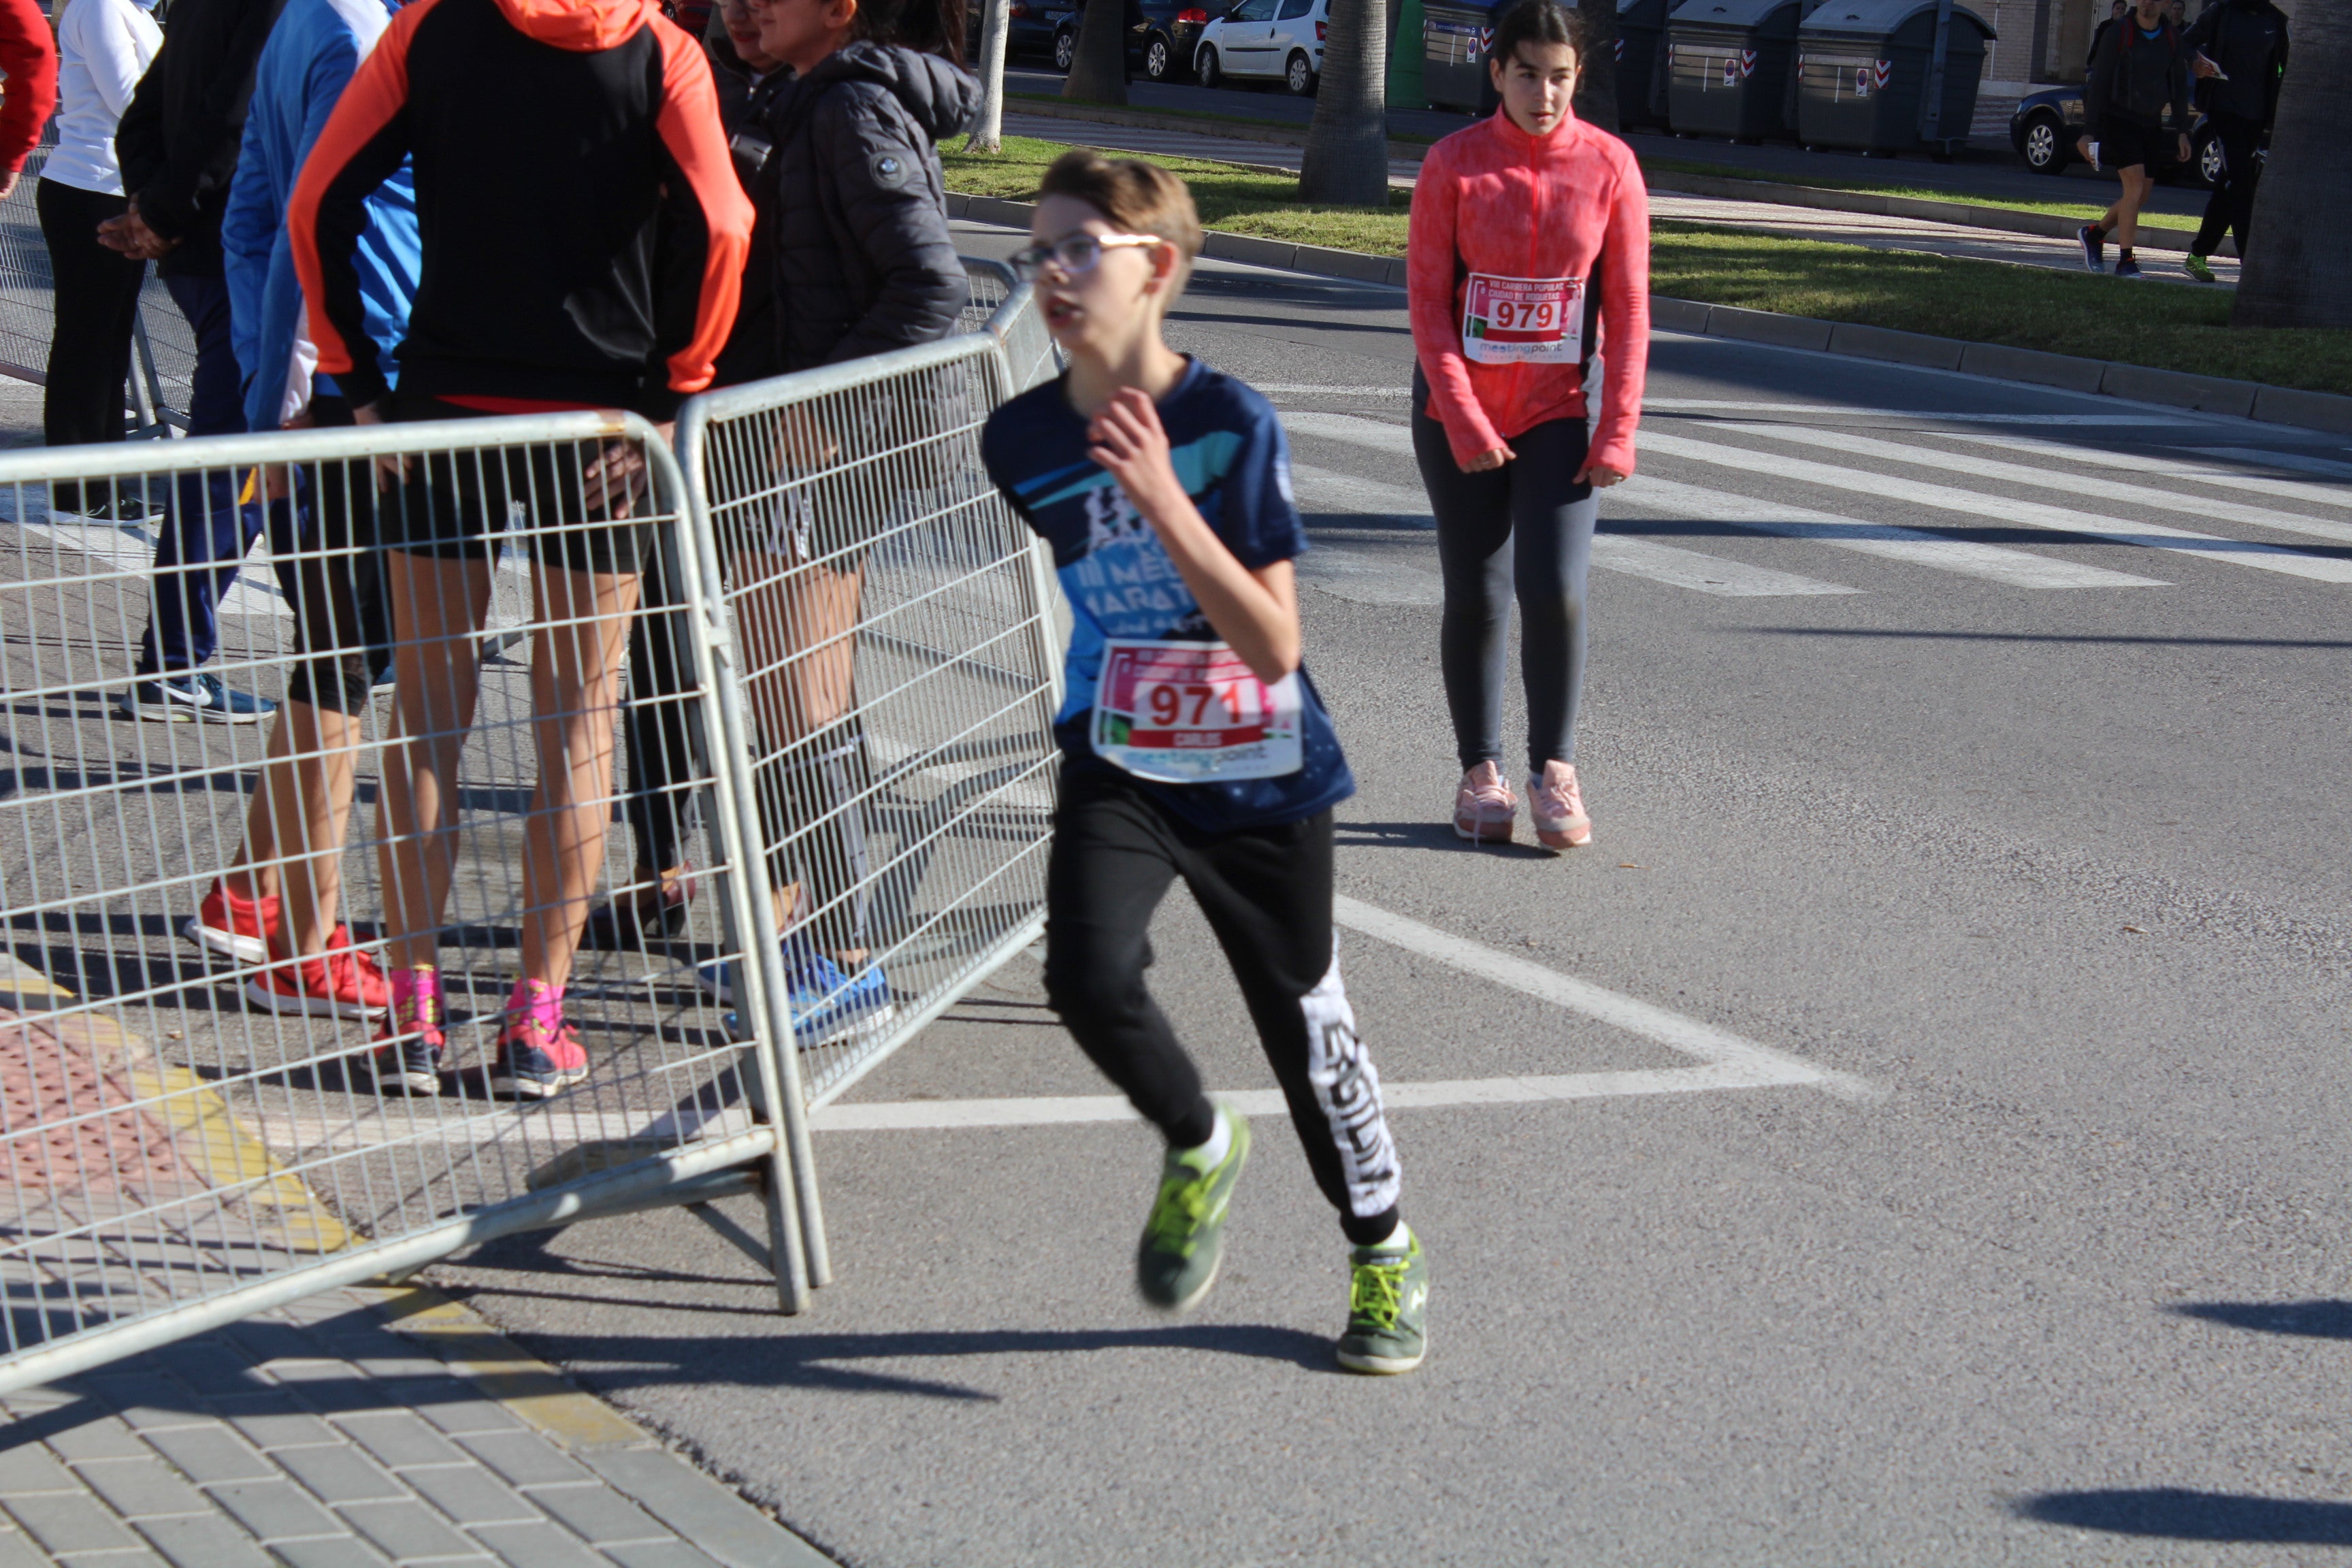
x,y
1073,253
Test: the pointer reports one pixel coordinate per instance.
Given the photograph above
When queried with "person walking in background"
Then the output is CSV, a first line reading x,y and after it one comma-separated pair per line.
x,y
1194,743
1529,253
278,900
2139,70
654,730
855,200
178,143
103,48
2240,58
584,237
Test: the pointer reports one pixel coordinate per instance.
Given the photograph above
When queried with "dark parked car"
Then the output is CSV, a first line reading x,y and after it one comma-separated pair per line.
x,y
2048,125
1160,36
1030,30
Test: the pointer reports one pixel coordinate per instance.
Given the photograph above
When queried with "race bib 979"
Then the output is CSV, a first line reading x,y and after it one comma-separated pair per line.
x,y
1523,320
1191,712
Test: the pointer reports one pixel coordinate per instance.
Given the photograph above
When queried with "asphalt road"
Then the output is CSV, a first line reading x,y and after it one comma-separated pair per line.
x,y
1978,744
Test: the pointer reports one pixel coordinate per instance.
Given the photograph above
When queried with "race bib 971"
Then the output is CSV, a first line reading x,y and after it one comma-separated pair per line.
x,y
1191,712
1523,320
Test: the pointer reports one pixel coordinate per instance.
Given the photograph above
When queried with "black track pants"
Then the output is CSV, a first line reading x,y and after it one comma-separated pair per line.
x,y
1267,894
2230,207
1523,527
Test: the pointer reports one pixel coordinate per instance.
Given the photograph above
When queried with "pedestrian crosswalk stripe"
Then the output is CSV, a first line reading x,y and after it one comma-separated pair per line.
x,y
1702,572
1367,580
2148,463
2309,464
1911,546
2118,491
2006,512
1844,411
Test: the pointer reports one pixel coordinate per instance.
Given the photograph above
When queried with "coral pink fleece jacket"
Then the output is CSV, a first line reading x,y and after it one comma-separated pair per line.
x,y
1495,199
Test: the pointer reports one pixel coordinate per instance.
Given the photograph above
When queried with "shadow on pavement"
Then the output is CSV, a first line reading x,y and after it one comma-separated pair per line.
x,y
1434,834
2311,1320
2185,1515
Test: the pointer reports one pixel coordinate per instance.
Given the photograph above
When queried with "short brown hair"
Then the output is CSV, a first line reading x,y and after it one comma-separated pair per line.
x,y
1140,197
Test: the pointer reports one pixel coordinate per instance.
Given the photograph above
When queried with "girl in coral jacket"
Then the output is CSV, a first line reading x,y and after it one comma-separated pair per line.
x,y
1529,256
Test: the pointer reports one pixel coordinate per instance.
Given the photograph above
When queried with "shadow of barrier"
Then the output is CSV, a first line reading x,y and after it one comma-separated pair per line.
x,y
761,721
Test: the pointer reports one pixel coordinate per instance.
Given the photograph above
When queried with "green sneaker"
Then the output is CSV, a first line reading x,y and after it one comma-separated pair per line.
x,y
1387,1309
2196,267
1184,1239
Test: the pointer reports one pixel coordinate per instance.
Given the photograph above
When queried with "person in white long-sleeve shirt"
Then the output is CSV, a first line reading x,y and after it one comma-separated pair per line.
x,y
103,48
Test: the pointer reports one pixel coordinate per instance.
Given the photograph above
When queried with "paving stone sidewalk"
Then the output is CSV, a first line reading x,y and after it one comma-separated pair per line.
x,y
358,1426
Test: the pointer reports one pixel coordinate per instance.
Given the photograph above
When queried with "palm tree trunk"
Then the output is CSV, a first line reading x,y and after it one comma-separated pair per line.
x,y
2297,275
1098,68
1347,159
1596,86
988,129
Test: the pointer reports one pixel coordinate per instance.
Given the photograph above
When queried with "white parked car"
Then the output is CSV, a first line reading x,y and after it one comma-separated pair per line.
x,y
1265,40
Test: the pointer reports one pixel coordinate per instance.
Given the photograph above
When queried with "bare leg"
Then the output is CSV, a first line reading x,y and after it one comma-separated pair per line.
x,y
2123,216
437,610
575,685
303,803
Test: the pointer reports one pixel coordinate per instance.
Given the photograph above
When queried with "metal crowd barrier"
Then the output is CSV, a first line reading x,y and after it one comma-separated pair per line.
x,y
864,671
163,348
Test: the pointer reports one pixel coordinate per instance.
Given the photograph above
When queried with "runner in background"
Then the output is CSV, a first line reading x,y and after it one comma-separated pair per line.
x,y
1194,743
103,48
583,240
853,195
278,898
2239,59
2139,71
1528,254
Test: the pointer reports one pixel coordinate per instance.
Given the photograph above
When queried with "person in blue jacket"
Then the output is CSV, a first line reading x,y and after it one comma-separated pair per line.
x,y
278,901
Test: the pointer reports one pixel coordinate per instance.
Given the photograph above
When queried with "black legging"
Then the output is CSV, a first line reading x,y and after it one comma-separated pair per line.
x,y
96,297
2231,204
1525,524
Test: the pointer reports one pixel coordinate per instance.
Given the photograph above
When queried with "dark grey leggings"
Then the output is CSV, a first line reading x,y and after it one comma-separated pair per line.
x,y
1525,524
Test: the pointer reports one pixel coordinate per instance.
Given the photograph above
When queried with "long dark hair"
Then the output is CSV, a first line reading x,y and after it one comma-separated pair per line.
x,y
928,27
1538,22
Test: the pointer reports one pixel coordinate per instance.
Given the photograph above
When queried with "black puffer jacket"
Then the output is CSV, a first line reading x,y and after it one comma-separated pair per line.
x,y
857,204
180,133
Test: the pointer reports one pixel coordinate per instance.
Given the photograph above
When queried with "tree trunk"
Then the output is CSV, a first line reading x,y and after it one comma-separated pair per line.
x,y
1347,160
2297,275
1596,85
988,129
1098,68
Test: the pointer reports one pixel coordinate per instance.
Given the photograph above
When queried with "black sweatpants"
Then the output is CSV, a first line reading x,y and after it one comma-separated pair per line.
x,y
657,728
96,298
1266,892
2231,204
1526,526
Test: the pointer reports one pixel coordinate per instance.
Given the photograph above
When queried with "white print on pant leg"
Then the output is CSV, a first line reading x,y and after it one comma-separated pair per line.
x,y
1348,1088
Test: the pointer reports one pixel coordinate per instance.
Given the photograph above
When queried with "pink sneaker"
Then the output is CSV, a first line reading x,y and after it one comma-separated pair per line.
x,y
1483,807
233,927
1555,800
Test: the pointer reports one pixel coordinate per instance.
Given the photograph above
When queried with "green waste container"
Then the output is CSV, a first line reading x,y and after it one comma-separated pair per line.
x,y
1863,69
1405,58
1641,86
1727,66
1457,34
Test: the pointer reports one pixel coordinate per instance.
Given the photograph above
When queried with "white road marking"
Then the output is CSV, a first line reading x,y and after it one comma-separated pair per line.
x,y
2017,568
2327,466
1843,411
2117,492
2005,511
1287,389
1348,575
2148,463
125,555
1702,572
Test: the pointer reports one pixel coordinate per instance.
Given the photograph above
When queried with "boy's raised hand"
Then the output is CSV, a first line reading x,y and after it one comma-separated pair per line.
x,y
1126,440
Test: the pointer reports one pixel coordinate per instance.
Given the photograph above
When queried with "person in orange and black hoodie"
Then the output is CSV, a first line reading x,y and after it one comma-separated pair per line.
x,y
584,239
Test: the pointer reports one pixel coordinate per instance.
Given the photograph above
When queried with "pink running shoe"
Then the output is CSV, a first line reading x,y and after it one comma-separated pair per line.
x,y
1555,800
1483,807
233,927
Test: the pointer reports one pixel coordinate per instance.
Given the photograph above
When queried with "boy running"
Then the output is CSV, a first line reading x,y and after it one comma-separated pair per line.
x,y
1194,743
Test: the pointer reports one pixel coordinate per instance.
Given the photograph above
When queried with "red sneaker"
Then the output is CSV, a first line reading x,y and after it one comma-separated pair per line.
x,y
342,984
233,927
532,1064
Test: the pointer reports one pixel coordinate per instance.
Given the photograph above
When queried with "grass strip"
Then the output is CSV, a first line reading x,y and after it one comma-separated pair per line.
x,y
2056,311
2082,212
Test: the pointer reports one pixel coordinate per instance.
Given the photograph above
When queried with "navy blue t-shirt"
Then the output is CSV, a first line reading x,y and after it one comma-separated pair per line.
x,y
1229,453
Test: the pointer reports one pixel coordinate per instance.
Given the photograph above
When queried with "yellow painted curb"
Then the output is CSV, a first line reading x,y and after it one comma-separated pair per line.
x,y
206,1132
542,1396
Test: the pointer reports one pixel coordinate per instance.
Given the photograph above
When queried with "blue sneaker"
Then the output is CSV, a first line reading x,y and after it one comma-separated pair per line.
x,y
827,1006
192,699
